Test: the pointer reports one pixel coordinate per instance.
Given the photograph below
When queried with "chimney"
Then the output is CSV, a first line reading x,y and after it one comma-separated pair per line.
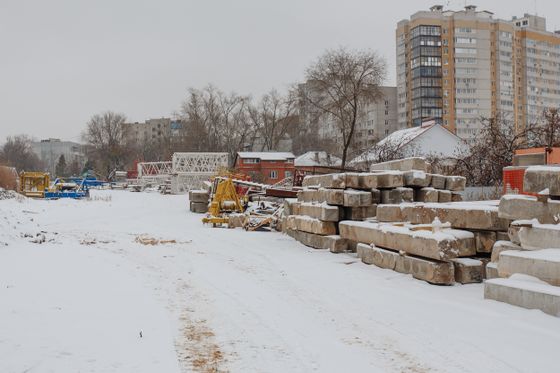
x,y
437,8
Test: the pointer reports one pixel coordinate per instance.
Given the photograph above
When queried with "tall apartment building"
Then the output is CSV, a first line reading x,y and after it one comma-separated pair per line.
x,y
458,66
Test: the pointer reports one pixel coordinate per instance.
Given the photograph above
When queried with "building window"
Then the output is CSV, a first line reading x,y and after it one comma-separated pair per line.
x,y
273,174
251,161
288,173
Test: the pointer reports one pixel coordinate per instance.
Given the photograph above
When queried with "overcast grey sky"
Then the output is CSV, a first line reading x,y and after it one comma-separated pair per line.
x,y
63,61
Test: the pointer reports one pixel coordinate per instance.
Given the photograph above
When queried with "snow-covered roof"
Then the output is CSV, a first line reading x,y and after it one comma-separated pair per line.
x,y
319,158
439,141
404,136
267,156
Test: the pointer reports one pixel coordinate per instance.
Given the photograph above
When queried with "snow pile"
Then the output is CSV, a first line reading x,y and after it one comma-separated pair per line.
x,y
7,194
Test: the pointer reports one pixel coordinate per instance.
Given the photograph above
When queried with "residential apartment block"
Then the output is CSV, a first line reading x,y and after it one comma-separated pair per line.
x,y
50,150
458,66
376,120
152,130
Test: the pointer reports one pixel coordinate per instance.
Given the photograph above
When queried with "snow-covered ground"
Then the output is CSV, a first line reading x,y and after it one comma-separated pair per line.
x,y
228,300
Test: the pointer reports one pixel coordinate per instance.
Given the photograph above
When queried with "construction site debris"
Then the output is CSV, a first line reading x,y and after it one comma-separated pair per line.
x,y
7,194
145,239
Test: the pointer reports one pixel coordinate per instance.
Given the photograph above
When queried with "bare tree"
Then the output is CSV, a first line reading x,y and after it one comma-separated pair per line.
x,y
493,149
550,131
272,117
106,142
17,152
343,82
216,121
194,132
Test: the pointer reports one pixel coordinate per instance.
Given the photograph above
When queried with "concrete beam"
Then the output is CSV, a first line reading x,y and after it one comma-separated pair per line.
x,y
428,194
311,225
432,271
389,213
438,181
539,236
455,183
335,181
500,246
357,198
397,195
443,245
460,215
405,164
523,293
492,271
542,264
540,178
291,206
199,207
330,196
484,241
199,196
360,213
468,271
416,178
522,207
321,211
333,243
444,196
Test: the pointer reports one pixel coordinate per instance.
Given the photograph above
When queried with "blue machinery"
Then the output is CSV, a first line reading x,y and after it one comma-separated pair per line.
x,y
72,187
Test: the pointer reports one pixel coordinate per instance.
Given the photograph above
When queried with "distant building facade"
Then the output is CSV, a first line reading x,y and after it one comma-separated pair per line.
x,y
50,150
376,120
457,66
265,167
152,130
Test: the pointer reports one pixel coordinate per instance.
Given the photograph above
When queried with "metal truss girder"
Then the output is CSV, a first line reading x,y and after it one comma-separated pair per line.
x,y
199,162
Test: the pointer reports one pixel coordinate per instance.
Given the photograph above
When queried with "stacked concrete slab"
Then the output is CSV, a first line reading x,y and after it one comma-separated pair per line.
x,y
377,217
525,269
198,201
479,221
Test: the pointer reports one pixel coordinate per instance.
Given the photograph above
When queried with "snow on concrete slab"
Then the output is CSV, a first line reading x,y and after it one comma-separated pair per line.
x,y
257,301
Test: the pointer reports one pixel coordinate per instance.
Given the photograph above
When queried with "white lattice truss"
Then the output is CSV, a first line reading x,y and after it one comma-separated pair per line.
x,y
186,171
196,163
191,170
154,168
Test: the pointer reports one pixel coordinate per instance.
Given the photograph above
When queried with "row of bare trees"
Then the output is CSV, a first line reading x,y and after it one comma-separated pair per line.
x,y
17,152
217,121
342,82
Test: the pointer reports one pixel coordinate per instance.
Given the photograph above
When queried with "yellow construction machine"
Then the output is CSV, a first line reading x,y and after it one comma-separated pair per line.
x,y
225,201
34,184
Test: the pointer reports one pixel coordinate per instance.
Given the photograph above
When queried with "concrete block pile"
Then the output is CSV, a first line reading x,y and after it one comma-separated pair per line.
x,y
525,268
454,240
198,201
397,217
